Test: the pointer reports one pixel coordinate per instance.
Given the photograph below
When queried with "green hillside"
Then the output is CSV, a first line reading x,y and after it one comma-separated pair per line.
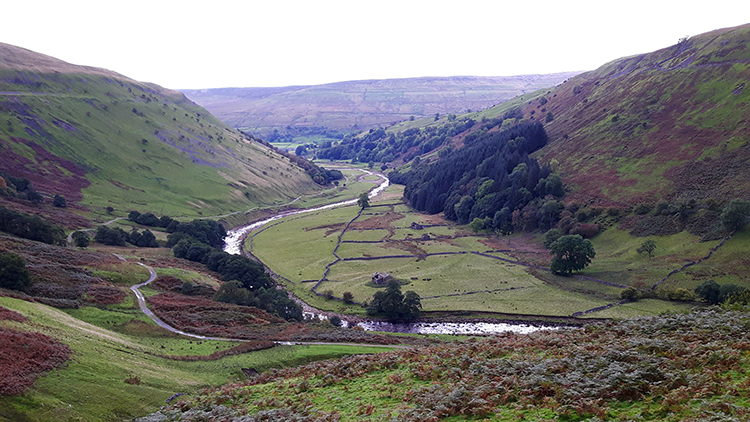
x,y
671,124
667,125
682,367
101,139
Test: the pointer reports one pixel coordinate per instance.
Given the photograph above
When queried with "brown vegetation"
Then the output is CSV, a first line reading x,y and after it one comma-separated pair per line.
x,y
26,356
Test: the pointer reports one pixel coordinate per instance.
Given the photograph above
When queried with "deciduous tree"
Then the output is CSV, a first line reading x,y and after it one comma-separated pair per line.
x,y
572,253
647,247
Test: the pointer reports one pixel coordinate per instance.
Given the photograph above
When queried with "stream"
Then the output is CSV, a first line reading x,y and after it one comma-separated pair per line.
x,y
233,245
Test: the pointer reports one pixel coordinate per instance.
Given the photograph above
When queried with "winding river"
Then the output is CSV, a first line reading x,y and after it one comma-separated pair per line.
x,y
233,245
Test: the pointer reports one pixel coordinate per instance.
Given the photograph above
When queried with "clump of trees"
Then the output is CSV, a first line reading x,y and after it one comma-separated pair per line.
x,y
111,236
13,273
395,305
491,182
204,231
81,239
247,282
30,227
150,220
20,187
735,214
714,293
379,146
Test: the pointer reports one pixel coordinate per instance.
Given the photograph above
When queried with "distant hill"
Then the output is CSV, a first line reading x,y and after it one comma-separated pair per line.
x,y
362,104
102,139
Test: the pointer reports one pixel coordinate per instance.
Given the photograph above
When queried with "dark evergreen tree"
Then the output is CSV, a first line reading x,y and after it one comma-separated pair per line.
x,y
13,273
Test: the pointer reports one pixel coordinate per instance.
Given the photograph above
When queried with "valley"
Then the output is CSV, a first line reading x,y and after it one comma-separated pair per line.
x,y
158,262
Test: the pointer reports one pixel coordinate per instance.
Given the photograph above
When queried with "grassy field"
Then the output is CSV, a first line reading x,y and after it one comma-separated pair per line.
x,y
131,146
113,345
300,247
381,240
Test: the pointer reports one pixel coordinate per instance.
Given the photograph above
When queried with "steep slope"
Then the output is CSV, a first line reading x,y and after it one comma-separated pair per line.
x,y
362,104
102,139
672,124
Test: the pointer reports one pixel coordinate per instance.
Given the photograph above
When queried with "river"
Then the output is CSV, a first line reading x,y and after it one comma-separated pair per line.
x,y
233,245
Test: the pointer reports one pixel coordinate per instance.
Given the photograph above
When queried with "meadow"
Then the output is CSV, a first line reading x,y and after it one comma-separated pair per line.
x,y
453,269
117,370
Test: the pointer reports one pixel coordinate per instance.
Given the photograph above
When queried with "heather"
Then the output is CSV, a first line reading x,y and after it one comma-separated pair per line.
x,y
690,366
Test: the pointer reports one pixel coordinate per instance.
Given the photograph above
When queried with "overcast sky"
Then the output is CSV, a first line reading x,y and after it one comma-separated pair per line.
x,y
249,43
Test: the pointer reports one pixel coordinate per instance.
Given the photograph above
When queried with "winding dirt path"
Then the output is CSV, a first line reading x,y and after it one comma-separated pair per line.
x,y
144,308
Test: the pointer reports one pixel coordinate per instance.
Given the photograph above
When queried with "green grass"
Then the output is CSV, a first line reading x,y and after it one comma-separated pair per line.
x,y
92,387
617,260
116,138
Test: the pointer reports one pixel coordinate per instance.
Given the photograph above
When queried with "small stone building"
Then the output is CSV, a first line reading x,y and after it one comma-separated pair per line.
x,y
381,279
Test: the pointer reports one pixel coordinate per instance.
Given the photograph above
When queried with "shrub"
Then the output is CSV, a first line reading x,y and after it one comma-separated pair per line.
x,y
551,236
81,239
642,209
335,321
13,273
348,297
585,230
630,293
59,201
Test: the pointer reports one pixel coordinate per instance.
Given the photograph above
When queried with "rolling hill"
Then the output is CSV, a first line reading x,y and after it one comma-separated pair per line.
x,y
104,140
357,105
671,124
668,125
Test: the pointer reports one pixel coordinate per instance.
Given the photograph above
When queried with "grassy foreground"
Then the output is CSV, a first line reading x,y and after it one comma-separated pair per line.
x,y
679,367
114,376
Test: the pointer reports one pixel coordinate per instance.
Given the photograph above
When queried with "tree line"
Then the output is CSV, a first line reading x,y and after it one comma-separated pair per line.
x,y
489,179
30,227
246,281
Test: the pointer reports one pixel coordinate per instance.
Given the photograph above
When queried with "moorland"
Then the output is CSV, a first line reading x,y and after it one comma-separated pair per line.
x,y
643,161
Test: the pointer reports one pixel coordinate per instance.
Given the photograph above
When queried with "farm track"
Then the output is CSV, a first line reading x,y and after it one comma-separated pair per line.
x,y
144,308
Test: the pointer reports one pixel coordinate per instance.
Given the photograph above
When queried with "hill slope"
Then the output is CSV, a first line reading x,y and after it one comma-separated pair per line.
x,y
101,139
362,104
669,124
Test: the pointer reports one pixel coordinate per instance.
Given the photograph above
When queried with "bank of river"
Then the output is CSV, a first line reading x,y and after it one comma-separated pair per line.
x,y
233,245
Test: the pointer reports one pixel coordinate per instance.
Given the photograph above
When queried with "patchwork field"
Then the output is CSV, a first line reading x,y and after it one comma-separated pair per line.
x,y
335,251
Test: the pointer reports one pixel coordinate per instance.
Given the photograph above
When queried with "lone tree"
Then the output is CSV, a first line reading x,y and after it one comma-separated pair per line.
x,y
735,214
363,201
572,253
647,247
13,274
